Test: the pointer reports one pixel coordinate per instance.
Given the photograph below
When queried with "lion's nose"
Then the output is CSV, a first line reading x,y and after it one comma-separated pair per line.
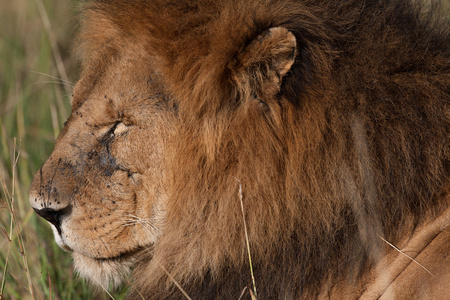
x,y
54,216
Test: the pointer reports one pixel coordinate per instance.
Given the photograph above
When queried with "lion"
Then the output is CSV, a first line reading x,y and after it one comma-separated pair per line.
x,y
256,149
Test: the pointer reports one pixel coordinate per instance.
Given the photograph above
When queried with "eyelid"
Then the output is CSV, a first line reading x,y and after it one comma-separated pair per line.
x,y
119,128
108,133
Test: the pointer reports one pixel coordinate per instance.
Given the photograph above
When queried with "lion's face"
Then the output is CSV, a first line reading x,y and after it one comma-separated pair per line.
x,y
102,186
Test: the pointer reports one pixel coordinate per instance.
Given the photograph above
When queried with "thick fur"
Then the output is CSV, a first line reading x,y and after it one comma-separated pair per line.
x,y
332,155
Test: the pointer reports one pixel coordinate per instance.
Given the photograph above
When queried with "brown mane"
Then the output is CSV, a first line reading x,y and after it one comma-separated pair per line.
x,y
350,152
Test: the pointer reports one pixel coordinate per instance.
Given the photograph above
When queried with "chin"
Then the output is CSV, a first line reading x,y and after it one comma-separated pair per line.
x,y
106,273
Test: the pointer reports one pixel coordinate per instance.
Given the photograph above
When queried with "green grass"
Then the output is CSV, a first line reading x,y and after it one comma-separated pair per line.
x,y
34,103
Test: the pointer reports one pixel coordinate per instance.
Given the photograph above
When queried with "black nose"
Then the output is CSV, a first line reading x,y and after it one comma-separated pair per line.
x,y
54,216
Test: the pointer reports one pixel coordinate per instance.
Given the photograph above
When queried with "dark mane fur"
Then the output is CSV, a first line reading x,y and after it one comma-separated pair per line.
x,y
354,148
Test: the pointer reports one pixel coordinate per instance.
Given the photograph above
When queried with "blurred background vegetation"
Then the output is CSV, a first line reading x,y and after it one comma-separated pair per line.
x,y
37,73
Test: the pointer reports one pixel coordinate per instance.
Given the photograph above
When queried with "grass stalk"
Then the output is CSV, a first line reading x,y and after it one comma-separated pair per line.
x,y
53,44
176,283
253,294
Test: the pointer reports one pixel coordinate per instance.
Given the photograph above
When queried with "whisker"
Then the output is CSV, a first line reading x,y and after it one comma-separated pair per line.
x,y
54,77
135,220
57,82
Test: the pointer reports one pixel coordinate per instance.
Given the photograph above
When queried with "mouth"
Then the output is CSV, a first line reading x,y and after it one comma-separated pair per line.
x,y
59,240
123,256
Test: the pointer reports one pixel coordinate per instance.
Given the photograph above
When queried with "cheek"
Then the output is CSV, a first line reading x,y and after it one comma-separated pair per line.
x,y
140,150
99,213
108,193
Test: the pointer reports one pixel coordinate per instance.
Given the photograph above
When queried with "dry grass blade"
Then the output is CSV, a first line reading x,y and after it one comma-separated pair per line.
x,y
242,293
176,283
17,280
15,226
254,296
50,285
5,270
134,287
422,266
104,289
53,44
5,191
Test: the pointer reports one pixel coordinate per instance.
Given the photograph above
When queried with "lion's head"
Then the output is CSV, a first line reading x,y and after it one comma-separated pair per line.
x,y
312,130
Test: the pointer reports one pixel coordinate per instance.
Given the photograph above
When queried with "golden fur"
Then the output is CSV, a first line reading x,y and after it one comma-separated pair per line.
x,y
331,118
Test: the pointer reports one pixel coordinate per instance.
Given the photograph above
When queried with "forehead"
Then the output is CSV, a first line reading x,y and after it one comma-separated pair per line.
x,y
118,78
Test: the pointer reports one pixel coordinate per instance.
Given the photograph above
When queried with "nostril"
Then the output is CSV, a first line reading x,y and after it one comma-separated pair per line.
x,y
54,216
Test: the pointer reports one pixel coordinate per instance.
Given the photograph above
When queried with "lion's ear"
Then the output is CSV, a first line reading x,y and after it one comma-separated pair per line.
x,y
260,67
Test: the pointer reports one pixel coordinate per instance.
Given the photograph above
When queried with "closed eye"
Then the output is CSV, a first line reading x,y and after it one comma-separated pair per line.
x,y
116,130
119,129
